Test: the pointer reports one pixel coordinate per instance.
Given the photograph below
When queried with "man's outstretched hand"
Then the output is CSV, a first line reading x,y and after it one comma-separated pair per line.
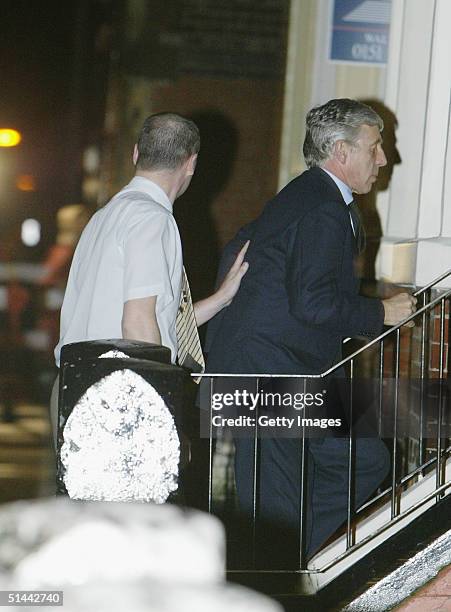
x,y
232,280
205,309
399,307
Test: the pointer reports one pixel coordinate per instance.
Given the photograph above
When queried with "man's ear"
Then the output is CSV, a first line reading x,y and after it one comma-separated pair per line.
x,y
135,155
341,151
191,165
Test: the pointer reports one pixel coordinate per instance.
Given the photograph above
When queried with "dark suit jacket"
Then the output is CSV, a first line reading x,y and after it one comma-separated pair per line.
x,y
300,296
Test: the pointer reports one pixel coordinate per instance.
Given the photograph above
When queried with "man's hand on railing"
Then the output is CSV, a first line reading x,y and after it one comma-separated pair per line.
x,y
399,307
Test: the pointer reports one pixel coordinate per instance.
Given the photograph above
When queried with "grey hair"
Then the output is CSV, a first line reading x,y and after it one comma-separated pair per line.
x,y
339,119
166,141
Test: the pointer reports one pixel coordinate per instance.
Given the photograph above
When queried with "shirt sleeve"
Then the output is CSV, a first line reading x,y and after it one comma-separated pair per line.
x,y
318,294
148,261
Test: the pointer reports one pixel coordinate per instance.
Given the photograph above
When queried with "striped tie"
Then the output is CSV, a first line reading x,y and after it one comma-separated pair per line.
x,y
189,353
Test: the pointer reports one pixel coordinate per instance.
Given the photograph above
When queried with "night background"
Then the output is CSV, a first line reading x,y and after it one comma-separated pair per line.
x,y
54,60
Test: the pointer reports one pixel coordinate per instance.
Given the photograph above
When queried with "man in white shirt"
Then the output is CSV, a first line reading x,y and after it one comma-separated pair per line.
x,y
126,274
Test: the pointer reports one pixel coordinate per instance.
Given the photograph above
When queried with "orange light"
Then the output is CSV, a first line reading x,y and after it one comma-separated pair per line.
x,y
26,182
9,138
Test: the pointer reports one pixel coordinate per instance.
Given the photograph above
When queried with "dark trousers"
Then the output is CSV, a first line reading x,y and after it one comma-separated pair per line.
x,y
278,490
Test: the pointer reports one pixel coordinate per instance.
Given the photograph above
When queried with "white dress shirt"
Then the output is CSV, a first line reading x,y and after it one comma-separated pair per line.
x,y
346,193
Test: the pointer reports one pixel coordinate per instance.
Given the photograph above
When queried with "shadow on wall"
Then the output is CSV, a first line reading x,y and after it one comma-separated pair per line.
x,y
367,202
193,210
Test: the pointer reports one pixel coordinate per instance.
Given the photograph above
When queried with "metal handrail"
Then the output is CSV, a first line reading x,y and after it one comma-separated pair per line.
x,y
405,479
376,340
434,282
392,329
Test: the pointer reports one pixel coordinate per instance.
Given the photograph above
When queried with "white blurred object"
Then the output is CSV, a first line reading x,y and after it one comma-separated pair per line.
x,y
114,354
3,297
31,232
54,298
37,339
157,597
126,557
120,443
91,159
98,549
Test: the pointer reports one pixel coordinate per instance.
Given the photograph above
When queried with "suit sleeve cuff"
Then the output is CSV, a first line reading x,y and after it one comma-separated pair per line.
x,y
374,317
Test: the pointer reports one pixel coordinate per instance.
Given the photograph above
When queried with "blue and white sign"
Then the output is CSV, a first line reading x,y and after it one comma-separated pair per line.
x,y
360,31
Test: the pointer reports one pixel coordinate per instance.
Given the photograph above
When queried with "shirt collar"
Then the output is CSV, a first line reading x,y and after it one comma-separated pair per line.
x,y
140,183
344,189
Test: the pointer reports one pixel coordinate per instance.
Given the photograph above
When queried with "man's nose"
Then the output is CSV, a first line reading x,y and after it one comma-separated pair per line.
x,y
381,160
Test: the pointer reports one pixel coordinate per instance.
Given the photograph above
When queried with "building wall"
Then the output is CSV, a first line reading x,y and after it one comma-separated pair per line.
x,y
418,229
237,108
414,211
312,79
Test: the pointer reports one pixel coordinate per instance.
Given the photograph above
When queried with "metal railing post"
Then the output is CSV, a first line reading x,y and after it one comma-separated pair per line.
x,y
303,495
351,463
381,385
255,479
394,509
423,374
439,467
210,451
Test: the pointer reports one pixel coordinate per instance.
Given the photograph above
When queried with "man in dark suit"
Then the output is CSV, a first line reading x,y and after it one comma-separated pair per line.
x,y
298,301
